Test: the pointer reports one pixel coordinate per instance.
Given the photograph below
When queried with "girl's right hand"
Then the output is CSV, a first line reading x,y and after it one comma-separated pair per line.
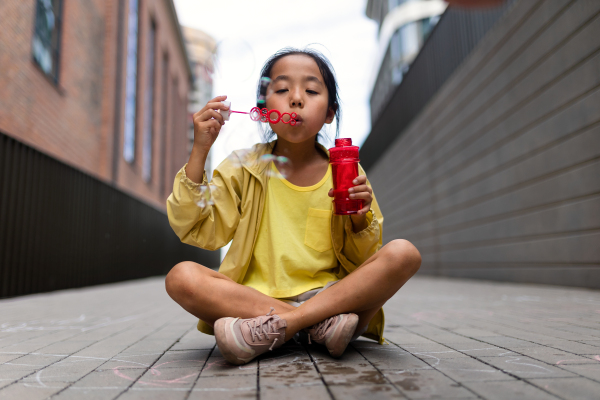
x,y
207,123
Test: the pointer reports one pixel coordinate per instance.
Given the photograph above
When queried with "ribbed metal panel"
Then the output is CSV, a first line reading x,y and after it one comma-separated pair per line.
x,y
61,228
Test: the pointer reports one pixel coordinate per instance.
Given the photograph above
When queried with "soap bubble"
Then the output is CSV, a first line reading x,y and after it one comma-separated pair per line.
x,y
282,164
267,158
205,196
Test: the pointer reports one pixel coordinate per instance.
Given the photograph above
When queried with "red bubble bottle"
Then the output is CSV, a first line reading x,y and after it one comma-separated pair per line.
x,y
344,164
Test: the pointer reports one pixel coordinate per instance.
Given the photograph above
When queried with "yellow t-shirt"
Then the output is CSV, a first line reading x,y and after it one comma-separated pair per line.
x,y
293,252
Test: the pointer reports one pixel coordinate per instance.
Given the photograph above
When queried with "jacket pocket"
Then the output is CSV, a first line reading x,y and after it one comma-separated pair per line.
x,y
318,230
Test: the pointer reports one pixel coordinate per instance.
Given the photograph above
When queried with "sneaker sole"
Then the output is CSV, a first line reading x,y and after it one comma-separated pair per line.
x,y
220,335
347,332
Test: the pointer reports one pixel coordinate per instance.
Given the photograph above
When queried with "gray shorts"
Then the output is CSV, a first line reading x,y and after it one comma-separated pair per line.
x,y
302,297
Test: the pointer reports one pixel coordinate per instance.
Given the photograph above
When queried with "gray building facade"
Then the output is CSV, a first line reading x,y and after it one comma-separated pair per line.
x,y
491,167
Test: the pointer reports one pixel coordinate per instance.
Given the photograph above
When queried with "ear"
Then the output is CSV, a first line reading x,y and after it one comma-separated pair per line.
x,y
330,115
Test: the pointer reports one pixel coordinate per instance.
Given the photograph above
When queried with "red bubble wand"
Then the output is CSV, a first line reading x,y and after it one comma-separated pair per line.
x,y
263,115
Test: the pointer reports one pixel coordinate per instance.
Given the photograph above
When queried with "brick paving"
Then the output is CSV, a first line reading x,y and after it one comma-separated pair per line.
x,y
448,339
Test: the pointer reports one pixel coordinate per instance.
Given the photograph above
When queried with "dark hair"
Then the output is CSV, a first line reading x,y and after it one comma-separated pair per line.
x,y
327,72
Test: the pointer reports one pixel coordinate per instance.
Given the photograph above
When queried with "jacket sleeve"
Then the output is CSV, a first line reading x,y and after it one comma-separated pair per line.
x,y
359,246
195,222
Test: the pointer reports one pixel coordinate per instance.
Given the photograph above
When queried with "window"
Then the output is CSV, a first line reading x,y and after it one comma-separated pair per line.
x,y
46,36
131,82
149,106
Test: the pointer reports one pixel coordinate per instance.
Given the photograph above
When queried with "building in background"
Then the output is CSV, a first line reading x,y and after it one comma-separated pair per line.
x,y
202,50
487,154
404,25
102,86
93,129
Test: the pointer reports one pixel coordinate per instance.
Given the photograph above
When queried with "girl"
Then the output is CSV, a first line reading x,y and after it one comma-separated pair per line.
x,y
290,258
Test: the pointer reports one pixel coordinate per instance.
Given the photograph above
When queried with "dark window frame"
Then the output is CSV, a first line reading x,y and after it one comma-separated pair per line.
x,y
55,49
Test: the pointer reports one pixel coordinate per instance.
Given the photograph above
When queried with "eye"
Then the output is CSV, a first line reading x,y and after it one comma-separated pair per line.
x,y
281,91
311,92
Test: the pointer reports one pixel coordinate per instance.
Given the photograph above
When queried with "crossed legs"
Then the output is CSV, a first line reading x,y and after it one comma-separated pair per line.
x,y
210,295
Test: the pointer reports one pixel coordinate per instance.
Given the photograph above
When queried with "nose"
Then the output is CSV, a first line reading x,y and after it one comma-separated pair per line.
x,y
296,99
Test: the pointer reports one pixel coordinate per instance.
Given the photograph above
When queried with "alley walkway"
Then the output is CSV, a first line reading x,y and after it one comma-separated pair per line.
x,y
448,339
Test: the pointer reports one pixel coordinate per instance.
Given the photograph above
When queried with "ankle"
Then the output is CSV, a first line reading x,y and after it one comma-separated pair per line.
x,y
291,324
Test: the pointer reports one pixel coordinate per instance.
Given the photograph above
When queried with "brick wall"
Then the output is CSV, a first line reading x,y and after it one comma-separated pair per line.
x,y
497,178
74,121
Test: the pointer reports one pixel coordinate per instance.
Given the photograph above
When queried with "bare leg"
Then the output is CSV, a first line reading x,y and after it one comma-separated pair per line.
x,y
363,291
210,295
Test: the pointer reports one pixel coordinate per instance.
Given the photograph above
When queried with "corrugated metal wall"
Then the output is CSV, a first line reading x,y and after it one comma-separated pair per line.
x,y
499,176
60,228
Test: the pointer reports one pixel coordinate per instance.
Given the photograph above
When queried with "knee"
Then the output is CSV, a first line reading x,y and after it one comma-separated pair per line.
x,y
180,280
404,255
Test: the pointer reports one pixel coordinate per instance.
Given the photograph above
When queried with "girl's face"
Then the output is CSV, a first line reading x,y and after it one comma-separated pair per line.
x,y
298,87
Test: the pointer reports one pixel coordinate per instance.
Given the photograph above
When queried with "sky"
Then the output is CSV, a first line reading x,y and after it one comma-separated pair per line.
x,y
248,32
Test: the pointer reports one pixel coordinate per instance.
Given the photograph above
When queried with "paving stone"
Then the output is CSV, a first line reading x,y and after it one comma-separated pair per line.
x,y
225,388
503,390
161,383
389,357
554,357
316,391
595,343
29,391
122,361
30,361
183,358
575,347
96,393
526,367
195,340
416,348
216,365
350,369
428,384
372,392
290,370
66,347
9,357
569,388
9,376
508,342
154,393
68,370
109,379
467,369
591,371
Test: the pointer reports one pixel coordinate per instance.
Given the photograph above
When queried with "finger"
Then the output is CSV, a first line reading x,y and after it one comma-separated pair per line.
x,y
362,196
210,114
214,104
216,125
360,188
364,210
218,99
359,180
330,193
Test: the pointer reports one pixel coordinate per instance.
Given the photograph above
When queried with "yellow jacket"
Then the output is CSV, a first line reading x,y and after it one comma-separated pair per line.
x,y
238,189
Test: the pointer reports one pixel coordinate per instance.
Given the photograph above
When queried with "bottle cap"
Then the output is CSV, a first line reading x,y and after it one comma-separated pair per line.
x,y
343,142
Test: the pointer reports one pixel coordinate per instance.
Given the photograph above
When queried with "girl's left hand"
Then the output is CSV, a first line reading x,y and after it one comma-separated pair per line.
x,y
360,191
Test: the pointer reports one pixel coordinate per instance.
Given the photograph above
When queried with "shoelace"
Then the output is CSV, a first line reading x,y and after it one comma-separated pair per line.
x,y
321,328
257,330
